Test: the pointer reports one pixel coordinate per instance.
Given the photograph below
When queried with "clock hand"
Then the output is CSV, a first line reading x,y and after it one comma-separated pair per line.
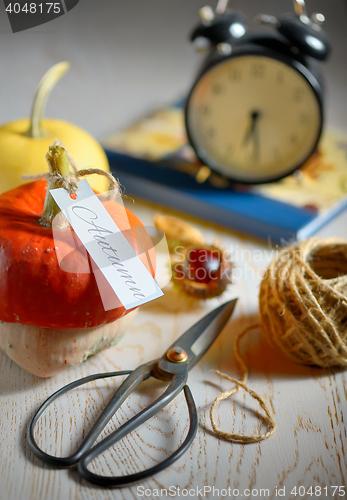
x,y
252,127
256,144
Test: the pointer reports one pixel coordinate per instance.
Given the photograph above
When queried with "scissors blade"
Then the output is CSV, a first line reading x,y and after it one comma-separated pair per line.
x,y
197,340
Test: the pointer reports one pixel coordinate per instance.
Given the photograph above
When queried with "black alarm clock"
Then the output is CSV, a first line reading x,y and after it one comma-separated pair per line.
x,y
255,111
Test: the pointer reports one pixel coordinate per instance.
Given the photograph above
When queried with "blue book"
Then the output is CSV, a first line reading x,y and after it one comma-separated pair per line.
x,y
153,161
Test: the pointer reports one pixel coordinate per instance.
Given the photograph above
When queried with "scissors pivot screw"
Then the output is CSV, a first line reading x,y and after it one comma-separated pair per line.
x,y
177,355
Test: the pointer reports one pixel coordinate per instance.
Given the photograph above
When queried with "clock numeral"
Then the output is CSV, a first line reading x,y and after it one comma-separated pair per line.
x,y
205,110
229,152
276,154
210,132
253,158
218,89
293,139
280,77
235,74
299,94
304,119
258,70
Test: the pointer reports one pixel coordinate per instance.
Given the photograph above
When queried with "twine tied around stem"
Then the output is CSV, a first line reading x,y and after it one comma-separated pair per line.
x,y
69,182
242,384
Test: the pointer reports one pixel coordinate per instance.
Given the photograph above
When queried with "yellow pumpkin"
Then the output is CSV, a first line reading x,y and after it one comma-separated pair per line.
x,y
24,142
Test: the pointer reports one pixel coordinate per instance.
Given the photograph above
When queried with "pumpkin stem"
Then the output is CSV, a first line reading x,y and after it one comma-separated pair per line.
x,y
58,163
48,81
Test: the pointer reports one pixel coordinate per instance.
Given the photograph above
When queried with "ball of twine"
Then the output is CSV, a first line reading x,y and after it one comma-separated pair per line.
x,y
303,302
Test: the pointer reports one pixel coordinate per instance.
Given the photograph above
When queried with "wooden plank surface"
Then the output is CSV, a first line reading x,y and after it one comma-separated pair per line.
x,y
124,62
309,404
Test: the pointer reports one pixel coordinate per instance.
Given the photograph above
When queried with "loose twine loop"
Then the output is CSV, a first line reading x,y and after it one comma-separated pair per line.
x,y
242,384
70,182
302,312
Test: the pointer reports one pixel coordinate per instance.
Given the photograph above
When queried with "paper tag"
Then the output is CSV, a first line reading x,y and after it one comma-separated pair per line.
x,y
110,250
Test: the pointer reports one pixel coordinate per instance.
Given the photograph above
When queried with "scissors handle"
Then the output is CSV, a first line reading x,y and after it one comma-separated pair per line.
x,y
117,481
86,453
66,461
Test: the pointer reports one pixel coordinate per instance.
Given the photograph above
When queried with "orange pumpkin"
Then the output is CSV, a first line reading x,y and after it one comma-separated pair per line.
x,y
34,290
36,293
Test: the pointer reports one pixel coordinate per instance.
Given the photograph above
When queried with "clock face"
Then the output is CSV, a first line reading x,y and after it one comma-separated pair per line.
x,y
253,118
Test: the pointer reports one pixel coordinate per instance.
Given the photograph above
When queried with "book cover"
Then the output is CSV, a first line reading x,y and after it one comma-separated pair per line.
x,y
153,160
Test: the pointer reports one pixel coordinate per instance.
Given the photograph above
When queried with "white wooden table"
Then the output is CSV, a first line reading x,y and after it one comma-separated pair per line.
x,y
127,57
309,404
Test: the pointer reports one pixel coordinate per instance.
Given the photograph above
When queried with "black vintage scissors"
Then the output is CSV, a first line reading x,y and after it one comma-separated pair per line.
x,y
173,366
